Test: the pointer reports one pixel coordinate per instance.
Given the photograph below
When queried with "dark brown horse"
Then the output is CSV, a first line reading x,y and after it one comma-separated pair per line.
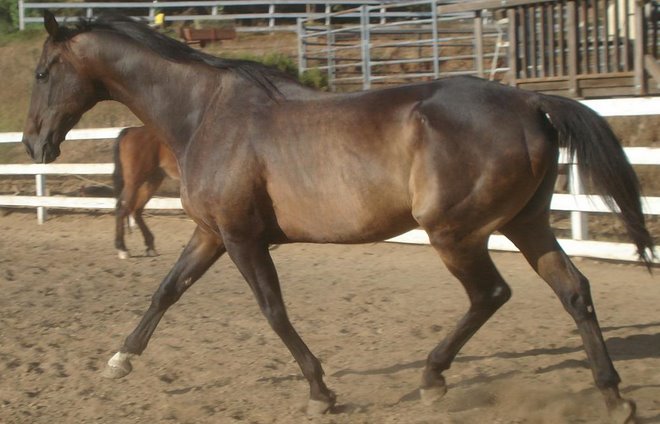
x,y
264,160
142,161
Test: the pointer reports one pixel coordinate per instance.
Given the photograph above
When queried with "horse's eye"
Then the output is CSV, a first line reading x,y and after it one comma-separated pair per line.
x,y
42,75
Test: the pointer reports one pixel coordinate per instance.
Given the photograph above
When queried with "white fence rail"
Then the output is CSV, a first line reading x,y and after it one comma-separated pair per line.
x,y
578,203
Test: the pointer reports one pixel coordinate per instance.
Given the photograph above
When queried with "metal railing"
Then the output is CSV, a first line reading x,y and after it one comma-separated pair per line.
x,y
578,48
423,45
247,15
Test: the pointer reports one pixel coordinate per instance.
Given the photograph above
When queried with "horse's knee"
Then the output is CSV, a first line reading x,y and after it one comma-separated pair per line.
x,y
577,300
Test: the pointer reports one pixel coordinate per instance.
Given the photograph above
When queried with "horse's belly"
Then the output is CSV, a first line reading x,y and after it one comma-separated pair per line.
x,y
341,221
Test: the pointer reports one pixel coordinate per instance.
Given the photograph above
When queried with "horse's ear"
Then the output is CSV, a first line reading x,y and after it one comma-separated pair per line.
x,y
52,27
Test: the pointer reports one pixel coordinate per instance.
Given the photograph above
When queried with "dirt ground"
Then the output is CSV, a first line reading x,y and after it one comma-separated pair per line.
x,y
370,312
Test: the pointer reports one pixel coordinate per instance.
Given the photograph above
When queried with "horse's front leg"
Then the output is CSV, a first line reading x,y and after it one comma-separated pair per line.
x,y
202,251
256,265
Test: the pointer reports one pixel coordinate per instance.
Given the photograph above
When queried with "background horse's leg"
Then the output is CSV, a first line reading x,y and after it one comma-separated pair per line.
x,y
145,193
536,241
487,291
122,211
202,251
256,265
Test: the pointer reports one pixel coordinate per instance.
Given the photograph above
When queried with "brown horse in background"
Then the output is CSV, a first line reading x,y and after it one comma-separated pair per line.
x,y
264,161
142,160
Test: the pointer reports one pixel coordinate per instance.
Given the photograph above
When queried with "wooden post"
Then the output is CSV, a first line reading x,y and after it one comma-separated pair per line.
x,y
478,44
572,49
513,46
640,43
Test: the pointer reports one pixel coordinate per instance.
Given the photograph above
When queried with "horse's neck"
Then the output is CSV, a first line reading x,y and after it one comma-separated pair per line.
x,y
168,96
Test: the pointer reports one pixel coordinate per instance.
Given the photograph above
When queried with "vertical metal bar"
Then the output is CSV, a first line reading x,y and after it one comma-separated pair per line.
x,y
90,13
214,10
21,15
364,29
571,23
328,10
579,220
40,181
330,57
152,11
478,44
434,35
271,11
302,59
383,11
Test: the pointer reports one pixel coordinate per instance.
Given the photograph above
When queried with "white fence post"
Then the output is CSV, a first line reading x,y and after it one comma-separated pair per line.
x,y
579,220
21,15
40,181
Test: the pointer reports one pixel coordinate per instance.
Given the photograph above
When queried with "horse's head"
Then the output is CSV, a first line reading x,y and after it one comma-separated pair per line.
x,y
60,95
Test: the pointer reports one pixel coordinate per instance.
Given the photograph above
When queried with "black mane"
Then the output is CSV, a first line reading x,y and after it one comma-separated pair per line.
x,y
177,51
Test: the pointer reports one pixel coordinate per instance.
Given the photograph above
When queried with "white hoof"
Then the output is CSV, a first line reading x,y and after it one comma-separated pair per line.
x,y
152,253
118,366
317,407
123,254
432,394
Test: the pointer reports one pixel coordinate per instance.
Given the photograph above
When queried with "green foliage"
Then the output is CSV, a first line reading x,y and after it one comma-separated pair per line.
x,y
8,16
312,78
315,78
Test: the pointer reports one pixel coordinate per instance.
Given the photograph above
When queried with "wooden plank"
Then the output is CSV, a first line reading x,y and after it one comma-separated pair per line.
x,y
572,48
524,47
533,46
513,44
606,82
551,39
640,81
653,68
562,39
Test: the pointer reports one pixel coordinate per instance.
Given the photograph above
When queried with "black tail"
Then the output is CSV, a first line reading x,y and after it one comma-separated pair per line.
x,y
602,161
117,174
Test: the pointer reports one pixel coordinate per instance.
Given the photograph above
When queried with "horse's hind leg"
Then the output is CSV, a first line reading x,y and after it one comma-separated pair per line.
x,y
538,244
202,251
145,193
470,262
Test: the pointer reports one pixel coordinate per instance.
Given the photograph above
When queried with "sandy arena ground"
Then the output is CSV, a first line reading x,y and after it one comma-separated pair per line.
x,y
371,313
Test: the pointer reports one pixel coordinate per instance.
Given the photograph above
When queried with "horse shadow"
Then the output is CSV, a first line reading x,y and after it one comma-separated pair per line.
x,y
636,346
